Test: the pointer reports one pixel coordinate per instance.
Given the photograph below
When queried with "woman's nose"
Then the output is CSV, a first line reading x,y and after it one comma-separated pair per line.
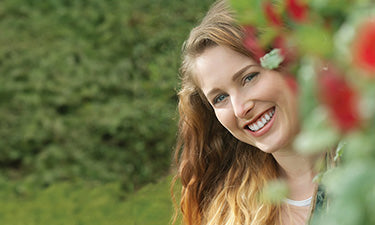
x,y
242,106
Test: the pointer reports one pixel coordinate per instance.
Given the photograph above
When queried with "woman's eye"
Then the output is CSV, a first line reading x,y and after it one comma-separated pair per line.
x,y
219,98
250,76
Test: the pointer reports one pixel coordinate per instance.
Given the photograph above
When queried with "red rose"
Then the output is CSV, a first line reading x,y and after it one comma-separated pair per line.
x,y
340,98
297,10
271,15
364,47
252,44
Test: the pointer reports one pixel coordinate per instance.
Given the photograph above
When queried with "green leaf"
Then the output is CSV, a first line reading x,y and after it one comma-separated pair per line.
x,y
318,178
359,146
316,135
272,60
339,150
275,191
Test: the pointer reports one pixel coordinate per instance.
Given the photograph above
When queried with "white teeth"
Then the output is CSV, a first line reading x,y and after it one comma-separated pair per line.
x,y
262,121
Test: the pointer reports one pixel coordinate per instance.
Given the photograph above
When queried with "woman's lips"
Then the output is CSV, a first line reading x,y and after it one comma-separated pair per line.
x,y
263,123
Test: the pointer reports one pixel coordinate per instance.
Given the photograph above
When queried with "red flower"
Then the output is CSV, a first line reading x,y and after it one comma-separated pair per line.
x,y
297,10
252,44
364,47
340,98
271,15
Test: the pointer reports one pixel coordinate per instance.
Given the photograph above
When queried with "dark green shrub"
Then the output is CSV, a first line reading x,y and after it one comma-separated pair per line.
x,y
87,88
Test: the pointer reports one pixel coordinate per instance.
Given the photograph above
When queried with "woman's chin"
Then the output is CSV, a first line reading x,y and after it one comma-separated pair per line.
x,y
274,146
267,148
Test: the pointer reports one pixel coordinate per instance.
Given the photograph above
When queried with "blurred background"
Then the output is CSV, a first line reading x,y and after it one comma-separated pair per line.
x,y
88,109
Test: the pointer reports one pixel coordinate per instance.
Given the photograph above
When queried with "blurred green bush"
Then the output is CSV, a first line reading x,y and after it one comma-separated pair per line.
x,y
87,88
86,203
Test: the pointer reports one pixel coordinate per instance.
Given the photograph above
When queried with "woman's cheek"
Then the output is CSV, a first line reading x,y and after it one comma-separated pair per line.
x,y
226,118
220,115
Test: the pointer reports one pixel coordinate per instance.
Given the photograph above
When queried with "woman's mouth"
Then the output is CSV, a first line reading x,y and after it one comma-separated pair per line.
x,y
263,123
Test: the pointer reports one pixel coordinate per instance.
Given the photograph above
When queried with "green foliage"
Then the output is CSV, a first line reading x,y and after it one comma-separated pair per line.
x,y
332,42
316,133
249,11
83,203
272,59
87,88
318,44
275,191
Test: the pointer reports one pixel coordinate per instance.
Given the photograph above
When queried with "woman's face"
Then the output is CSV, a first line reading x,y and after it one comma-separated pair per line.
x,y
255,104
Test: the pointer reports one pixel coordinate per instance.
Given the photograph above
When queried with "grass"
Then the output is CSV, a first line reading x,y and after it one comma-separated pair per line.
x,y
87,204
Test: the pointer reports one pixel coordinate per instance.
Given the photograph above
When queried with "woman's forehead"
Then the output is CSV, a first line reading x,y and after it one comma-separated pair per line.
x,y
219,60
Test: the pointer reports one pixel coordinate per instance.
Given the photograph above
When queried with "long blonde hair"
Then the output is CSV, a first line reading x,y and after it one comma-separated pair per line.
x,y
221,176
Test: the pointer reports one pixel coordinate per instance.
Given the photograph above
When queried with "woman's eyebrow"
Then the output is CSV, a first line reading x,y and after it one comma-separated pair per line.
x,y
212,92
240,72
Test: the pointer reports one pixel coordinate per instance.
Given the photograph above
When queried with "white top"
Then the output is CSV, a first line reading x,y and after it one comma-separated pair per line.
x,y
306,202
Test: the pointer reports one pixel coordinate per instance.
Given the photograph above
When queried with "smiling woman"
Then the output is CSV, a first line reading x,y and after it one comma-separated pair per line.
x,y
237,124
254,104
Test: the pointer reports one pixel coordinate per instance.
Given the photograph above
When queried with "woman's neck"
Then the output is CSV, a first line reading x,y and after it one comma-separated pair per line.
x,y
298,171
